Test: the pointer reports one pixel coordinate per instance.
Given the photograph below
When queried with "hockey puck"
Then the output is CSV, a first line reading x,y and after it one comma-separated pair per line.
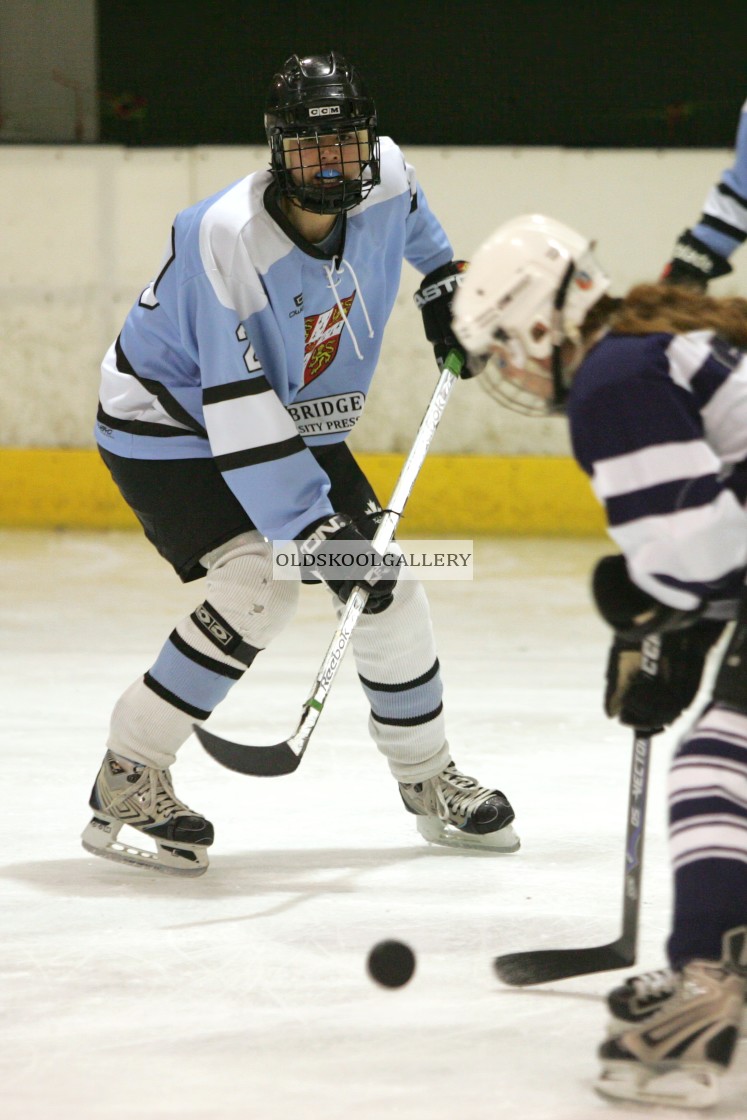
x,y
391,963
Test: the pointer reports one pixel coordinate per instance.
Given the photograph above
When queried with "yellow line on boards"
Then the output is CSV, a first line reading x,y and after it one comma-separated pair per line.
x,y
454,494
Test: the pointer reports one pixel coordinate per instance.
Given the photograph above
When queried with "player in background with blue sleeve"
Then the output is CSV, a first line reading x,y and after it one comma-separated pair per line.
x,y
655,389
702,253
224,407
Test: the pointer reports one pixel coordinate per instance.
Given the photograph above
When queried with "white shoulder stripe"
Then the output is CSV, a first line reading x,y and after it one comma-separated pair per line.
x,y
394,177
664,462
231,266
686,354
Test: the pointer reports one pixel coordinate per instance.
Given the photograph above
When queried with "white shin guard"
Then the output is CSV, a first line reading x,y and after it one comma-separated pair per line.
x,y
149,726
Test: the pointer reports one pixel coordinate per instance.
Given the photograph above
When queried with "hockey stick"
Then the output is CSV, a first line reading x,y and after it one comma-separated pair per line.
x,y
541,965
285,757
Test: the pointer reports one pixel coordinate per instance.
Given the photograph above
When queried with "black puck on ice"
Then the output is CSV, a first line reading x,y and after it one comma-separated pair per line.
x,y
391,963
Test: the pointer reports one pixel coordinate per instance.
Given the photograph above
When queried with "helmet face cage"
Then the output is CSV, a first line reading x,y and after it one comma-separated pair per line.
x,y
521,389
321,128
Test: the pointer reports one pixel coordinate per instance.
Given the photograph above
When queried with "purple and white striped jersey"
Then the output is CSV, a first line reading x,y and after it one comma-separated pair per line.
x,y
659,422
251,345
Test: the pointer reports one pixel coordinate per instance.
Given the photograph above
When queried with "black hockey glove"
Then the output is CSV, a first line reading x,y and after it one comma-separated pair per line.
x,y
652,703
629,610
433,299
636,698
693,264
335,551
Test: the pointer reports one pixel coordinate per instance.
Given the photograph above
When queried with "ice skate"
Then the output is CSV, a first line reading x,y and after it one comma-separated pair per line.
x,y
456,811
676,1054
129,793
642,996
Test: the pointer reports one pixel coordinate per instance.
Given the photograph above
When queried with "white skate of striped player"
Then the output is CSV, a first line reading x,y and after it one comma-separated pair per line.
x,y
640,997
142,798
675,1057
454,810
677,1087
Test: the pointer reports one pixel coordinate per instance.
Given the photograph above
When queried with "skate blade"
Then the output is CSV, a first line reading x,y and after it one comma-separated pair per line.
x,y
682,1087
100,839
503,842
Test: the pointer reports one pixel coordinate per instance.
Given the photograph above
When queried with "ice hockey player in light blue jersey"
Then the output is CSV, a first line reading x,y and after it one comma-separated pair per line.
x,y
703,252
254,345
225,404
655,388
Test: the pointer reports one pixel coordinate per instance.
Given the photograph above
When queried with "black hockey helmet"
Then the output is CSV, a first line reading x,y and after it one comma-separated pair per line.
x,y
322,95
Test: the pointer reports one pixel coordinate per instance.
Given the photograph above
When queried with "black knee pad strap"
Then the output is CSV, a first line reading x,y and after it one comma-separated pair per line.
x,y
222,634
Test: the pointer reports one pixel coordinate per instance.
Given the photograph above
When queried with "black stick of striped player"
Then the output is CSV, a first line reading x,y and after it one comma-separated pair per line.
x,y
285,757
538,966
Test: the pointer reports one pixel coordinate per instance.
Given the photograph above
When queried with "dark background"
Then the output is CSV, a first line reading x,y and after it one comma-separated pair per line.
x,y
538,72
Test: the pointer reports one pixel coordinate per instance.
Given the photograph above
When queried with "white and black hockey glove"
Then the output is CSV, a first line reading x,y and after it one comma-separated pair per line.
x,y
693,264
638,699
434,300
334,550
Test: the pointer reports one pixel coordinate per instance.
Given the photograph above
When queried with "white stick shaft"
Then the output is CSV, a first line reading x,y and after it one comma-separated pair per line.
x,y
384,534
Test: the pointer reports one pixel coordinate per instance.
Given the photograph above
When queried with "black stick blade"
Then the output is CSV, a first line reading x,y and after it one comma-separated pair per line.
x,y
263,762
521,970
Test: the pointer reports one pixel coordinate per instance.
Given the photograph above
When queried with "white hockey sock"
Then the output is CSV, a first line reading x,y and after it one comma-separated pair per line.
x,y
145,728
395,654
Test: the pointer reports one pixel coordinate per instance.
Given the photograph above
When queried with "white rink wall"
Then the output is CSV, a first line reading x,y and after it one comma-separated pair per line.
x,y
85,227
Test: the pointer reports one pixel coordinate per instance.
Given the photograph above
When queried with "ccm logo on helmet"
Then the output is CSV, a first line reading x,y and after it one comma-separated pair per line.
x,y
325,111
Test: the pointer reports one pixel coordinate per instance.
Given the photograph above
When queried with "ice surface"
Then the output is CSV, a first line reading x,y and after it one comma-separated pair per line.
x,y
243,995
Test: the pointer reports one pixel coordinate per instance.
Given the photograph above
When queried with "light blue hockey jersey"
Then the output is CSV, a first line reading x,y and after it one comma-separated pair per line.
x,y
252,345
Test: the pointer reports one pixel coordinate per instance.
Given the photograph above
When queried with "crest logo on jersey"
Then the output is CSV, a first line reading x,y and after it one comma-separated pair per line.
x,y
322,339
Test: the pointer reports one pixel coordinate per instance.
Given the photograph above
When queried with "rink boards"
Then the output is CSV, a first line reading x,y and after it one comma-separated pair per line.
x,y
484,495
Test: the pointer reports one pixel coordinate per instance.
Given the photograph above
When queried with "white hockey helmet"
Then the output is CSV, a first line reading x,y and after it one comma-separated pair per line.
x,y
526,292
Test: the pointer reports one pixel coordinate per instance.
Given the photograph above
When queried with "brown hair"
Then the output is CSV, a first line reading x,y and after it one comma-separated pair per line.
x,y
674,309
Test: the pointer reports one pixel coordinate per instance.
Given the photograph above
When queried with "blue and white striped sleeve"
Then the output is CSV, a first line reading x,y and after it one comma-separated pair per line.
x,y
723,223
